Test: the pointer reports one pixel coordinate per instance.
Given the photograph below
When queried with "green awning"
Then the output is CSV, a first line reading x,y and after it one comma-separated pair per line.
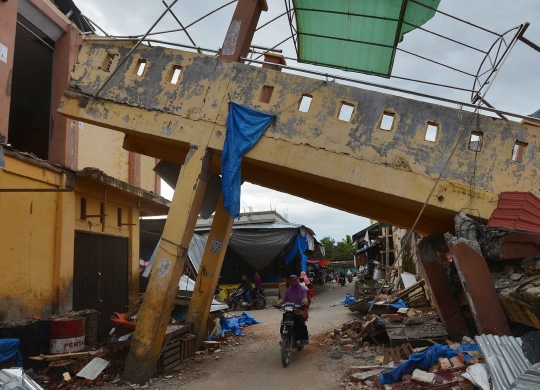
x,y
357,35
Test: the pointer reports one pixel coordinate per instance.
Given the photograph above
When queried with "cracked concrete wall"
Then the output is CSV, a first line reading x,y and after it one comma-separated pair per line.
x,y
343,164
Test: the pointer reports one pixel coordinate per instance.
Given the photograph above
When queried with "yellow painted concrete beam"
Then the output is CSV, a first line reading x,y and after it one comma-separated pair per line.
x,y
209,271
351,165
155,311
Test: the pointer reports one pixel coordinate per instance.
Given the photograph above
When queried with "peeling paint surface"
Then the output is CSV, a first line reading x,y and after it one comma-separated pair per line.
x,y
394,169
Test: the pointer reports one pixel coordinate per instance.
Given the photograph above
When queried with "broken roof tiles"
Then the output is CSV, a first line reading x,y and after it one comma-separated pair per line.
x,y
517,211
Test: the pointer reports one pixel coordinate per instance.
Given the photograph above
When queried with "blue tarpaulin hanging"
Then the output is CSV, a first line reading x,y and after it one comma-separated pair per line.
x,y
8,349
244,128
300,245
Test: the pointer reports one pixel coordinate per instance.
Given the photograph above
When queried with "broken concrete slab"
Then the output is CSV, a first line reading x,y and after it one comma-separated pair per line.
x,y
362,376
479,289
431,266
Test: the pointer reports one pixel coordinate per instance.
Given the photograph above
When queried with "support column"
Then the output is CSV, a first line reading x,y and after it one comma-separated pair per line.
x,y
134,255
8,28
134,169
64,132
64,250
207,279
158,301
242,28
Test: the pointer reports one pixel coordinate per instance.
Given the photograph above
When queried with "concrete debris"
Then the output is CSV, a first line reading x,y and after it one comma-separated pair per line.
x,y
426,378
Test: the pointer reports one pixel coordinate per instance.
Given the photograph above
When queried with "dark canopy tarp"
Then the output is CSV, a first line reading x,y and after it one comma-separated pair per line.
x,y
259,247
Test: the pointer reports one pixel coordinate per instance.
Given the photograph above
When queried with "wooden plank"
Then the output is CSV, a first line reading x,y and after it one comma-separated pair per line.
x,y
173,358
52,358
171,366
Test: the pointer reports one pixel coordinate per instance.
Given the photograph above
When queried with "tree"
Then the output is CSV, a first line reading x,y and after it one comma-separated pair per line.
x,y
345,249
329,247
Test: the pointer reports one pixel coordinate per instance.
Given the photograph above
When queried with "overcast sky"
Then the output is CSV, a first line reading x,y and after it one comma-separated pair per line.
x,y
515,89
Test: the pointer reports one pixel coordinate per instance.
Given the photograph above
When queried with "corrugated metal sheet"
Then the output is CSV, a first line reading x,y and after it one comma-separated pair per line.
x,y
530,380
263,225
504,358
517,211
189,285
196,250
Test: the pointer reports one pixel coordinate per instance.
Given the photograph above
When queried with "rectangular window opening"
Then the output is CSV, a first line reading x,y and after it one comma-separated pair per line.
x,y
140,68
119,216
83,208
387,121
475,141
108,62
175,74
266,93
519,151
345,112
432,132
305,103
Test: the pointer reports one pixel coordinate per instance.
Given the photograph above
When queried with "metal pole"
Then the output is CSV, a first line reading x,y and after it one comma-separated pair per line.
x,y
180,23
134,47
382,86
111,39
181,29
529,43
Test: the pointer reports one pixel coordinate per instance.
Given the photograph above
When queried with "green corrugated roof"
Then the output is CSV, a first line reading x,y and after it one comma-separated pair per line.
x,y
356,35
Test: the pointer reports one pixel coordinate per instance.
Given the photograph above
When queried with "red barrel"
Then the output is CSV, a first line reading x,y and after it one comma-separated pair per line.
x,y
67,335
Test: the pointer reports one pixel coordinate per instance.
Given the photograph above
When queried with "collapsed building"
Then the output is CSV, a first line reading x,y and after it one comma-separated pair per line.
x,y
193,101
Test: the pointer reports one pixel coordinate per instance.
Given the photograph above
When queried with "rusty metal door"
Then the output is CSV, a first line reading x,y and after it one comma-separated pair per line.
x,y
100,276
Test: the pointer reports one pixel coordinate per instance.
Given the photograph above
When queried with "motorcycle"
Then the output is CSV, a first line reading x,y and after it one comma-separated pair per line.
x,y
341,281
288,337
328,278
237,299
349,278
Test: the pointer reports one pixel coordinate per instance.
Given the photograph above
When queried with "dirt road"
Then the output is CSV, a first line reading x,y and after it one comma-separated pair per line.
x,y
257,362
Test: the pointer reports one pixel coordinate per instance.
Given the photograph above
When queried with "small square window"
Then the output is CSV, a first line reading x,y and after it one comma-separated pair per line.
x,y
345,112
140,68
387,121
266,93
175,74
305,103
475,141
519,151
432,132
108,62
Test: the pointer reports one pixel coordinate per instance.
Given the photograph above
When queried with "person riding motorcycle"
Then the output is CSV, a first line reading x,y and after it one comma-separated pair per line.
x,y
246,287
298,295
349,273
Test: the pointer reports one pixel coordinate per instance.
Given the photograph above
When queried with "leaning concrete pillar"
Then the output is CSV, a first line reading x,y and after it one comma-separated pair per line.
x,y
207,279
158,301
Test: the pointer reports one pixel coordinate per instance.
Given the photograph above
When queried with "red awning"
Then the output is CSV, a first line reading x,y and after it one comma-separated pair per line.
x,y
320,262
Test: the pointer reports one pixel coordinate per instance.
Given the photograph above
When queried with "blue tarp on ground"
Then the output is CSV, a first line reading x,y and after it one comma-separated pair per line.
x,y
300,245
349,300
244,128
399,304
235,324
8,349
424,360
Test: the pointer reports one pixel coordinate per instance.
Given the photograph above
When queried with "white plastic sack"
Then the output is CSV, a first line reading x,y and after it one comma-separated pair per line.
x,y
217,328
478,376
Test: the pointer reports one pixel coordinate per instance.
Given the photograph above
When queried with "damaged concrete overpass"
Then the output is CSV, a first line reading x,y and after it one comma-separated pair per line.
x,y
314,155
